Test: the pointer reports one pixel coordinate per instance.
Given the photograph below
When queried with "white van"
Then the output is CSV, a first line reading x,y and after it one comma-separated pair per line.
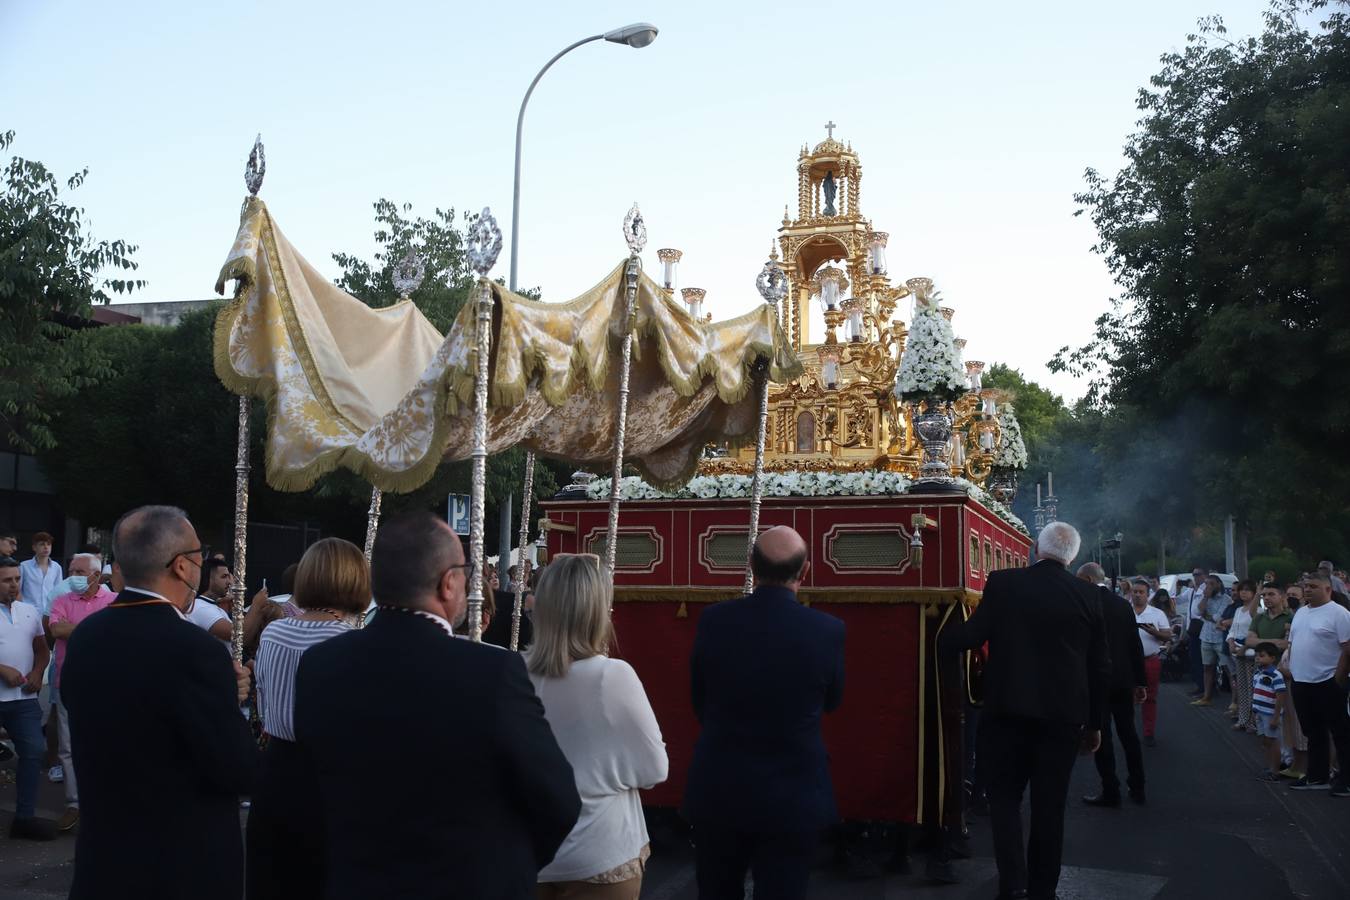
x,y
1176,583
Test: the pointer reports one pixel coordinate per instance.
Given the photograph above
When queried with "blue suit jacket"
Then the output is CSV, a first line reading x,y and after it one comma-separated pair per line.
x,y
764,670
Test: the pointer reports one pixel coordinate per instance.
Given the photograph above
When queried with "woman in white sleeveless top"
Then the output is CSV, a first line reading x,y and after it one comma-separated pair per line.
x,y
604,724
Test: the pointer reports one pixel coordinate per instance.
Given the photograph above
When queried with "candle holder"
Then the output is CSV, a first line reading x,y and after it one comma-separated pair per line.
x,y
876,252
975,373
853,308
694,298
670,263
829,365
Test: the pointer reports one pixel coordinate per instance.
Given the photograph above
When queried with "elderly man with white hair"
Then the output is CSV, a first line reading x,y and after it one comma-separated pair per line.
x,y
1045,691
86,596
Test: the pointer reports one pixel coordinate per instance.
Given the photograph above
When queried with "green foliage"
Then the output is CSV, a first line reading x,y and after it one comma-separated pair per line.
x,y
439,244
162,429
1216,372
1285,567
51,274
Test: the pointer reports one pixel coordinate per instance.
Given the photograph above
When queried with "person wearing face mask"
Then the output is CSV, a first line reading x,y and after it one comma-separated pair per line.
x,y
159,814
86,596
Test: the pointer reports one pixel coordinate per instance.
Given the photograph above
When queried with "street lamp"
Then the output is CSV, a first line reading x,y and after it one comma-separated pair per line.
x,y
637,35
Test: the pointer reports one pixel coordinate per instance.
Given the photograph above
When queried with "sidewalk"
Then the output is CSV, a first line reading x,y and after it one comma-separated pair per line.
x,y
1210,830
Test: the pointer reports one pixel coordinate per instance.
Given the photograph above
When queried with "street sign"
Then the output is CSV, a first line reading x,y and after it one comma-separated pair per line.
x,y
457,513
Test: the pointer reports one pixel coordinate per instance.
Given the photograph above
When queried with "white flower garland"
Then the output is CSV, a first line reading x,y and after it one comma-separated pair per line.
x,y
930,366
871,482
1012,451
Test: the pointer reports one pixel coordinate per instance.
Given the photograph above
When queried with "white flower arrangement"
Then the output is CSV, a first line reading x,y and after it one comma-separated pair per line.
x,y
930,366
868,483
776,484
1011,452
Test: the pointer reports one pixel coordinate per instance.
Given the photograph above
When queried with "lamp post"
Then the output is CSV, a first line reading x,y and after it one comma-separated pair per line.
x,y
637,35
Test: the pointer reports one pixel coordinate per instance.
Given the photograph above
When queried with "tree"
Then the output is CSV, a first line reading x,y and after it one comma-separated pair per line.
x,y
1228,232
51,274
161,428
438,244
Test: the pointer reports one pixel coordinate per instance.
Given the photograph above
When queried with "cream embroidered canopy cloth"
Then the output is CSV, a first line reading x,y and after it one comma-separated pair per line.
x,y
381,392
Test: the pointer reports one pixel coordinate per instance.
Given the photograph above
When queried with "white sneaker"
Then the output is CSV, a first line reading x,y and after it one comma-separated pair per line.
x,y
56,774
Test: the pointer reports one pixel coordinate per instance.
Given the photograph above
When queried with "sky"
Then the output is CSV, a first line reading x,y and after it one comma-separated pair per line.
x,y
974,123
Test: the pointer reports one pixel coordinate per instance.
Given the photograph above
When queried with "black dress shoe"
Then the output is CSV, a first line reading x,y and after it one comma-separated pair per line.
x,y
1103,799
1137,797
32,830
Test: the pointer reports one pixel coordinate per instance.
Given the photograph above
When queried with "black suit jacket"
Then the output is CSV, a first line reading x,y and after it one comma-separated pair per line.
x,y
162,752
1047,645
439,775
1122,640
764,669
499,629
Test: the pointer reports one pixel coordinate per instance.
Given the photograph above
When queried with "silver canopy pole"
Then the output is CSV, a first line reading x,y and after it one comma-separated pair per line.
x,y
772,286
484,245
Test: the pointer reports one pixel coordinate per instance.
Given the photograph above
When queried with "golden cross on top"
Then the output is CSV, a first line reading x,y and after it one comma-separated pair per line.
x,y
829,128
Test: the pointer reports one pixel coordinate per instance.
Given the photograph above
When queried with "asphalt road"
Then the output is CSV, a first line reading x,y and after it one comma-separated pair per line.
x,y
1210,829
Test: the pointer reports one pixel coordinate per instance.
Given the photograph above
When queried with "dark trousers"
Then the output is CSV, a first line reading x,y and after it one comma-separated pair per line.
x,y
780,862
283,840
1021,752
1120,710
23,720
1321,713
1196,665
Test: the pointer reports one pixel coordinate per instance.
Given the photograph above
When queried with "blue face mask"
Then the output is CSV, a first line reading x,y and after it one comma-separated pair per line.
x,y
78,583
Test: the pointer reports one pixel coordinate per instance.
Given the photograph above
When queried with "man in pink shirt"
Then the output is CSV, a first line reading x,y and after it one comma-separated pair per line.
x,y
87,597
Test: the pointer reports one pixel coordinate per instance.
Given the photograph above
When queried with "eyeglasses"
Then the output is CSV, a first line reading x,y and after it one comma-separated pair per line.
x,y
466,566
172,559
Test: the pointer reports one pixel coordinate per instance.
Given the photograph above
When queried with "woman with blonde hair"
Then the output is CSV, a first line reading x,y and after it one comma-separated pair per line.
x,y
285,851
604,723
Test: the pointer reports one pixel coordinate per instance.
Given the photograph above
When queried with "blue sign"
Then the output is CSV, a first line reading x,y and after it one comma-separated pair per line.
x,y
457,513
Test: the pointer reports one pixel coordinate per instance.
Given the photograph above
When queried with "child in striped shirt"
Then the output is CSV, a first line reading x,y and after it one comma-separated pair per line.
x,y
1269,695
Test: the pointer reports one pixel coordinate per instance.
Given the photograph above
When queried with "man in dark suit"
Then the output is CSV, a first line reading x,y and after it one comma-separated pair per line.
x,y
764,669
1127,688
162,751
1045,688
492,797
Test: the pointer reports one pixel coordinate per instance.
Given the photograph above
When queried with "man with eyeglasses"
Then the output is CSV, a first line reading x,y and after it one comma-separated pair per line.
x,y
159,815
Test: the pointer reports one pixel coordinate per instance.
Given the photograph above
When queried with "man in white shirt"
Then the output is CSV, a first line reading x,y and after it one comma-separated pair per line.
x,y
40,574
209,617
23,662
1155,632
1319,660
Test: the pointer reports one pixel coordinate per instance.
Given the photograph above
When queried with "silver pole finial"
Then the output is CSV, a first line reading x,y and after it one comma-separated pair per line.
x,y
256,167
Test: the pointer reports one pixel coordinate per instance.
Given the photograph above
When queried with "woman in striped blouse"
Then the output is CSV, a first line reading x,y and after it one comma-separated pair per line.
x,y
285,854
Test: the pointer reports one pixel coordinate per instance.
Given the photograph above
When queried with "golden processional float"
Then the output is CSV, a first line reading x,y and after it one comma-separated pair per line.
x,y
877,448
